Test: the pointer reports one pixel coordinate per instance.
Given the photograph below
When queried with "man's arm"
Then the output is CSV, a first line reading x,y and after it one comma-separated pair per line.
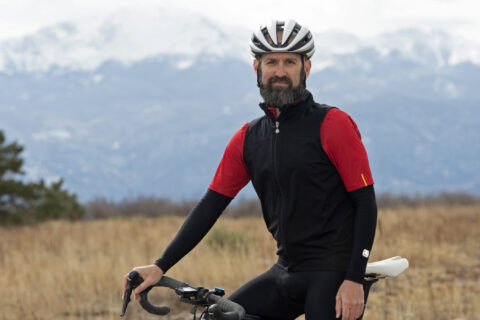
x,y
363,231
196,226
350,296
342,142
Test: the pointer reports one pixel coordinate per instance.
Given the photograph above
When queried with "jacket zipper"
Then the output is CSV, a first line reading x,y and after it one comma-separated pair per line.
x,y
281,225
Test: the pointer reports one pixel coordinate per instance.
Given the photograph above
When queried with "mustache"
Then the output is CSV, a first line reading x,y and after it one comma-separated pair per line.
x,y
280,79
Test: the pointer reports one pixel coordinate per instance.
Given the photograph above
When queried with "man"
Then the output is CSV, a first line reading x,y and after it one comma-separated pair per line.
x,y
310,170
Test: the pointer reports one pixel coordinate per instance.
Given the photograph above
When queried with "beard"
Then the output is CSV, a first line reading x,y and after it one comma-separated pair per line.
x,y
280,97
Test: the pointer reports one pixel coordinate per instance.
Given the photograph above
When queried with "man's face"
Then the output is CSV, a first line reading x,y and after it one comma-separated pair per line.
x,y
281,76
284,68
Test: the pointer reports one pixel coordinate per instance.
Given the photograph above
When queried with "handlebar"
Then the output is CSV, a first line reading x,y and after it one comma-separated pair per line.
x,y
228,310
219,307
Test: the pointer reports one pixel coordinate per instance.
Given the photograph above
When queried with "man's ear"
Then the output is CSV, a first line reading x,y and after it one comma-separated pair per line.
x,y
255,65
308,66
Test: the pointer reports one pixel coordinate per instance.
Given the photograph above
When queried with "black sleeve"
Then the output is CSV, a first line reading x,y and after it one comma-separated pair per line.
x,y
196,226
363,231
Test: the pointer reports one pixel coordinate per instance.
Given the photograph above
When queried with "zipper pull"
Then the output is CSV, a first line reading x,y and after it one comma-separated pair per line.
x,y
276,127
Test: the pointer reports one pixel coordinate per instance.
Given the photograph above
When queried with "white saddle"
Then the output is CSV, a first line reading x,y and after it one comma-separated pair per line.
x,y
390,267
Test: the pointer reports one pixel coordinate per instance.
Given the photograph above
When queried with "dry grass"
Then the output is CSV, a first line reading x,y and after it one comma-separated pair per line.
x,y
62,270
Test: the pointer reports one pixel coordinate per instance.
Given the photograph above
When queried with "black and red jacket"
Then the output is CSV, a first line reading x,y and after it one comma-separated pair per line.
x,y
305,166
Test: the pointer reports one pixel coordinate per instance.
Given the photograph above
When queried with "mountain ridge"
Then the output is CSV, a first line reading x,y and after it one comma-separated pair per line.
x,y
129,37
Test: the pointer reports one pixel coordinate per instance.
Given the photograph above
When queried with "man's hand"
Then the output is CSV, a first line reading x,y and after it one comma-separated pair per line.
x,y
349,300
150,274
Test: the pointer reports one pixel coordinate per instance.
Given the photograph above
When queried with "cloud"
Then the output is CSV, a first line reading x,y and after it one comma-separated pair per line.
x,y
364,18
58,134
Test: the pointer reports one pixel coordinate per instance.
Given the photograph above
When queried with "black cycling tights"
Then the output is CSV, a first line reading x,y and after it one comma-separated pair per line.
x,y
281,295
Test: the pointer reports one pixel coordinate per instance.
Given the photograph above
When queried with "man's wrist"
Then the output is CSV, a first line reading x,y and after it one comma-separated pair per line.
x,y
358,278
161,265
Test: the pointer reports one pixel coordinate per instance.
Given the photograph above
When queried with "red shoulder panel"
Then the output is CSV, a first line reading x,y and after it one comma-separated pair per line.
x,y
232,174
342,142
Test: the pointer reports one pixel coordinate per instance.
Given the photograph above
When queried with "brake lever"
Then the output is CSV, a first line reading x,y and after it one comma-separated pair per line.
x,y
134,280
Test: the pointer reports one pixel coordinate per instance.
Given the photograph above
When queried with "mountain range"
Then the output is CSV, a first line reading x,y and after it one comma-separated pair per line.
x,y
145,103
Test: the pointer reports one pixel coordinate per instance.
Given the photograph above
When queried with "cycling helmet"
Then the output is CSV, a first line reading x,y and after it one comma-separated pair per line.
x,y
295,39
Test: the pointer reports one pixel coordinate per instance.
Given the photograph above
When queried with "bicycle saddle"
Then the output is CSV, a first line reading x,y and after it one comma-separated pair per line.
x,y
390,267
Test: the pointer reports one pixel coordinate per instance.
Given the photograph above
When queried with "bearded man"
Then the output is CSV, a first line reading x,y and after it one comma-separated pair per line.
x,y
311,173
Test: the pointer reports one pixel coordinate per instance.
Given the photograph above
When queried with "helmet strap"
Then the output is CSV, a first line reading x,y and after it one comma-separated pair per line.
x,y
303,71
259,71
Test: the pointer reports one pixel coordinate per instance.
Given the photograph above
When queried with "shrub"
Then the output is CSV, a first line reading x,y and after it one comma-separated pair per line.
x,y
220,238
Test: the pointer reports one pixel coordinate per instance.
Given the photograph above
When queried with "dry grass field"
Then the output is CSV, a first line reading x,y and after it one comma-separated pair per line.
x,y
63,270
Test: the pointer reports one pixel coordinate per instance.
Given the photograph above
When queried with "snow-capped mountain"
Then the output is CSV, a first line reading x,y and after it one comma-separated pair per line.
x,y
134,34
123,36
145,102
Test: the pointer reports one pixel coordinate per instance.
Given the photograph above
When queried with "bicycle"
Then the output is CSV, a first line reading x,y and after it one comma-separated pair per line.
x,y
215,307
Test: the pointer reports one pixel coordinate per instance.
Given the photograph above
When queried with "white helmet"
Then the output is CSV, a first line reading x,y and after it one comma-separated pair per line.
x,y
295,39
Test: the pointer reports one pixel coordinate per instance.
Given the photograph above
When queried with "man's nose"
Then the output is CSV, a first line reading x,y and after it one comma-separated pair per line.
x,y
280,70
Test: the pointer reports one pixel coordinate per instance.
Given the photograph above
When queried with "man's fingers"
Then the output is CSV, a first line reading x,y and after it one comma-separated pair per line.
x,y
338,306
349,301
144,285
125,282
351,311
140,288
355,309
359,310
345,312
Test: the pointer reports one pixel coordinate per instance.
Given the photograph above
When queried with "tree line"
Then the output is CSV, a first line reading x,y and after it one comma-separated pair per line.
x,y
155,207
31,202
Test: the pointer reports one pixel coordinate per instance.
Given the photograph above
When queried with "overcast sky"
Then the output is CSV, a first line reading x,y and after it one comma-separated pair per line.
x,y
360,17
